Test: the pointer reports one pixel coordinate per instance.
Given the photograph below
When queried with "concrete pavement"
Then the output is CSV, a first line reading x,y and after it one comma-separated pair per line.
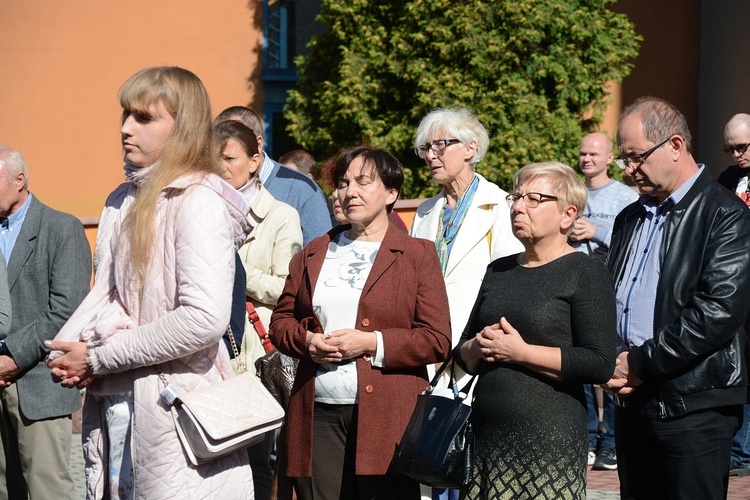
x,y
602,485
605,485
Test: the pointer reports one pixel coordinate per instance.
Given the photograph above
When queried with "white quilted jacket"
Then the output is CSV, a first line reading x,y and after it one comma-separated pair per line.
x,y
183,313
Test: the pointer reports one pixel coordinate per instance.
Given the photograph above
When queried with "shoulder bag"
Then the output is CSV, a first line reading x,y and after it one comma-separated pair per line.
x,y
219,419
276,372
438,446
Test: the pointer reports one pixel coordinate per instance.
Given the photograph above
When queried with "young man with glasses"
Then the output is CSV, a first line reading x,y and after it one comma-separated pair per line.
x,y
736,178
681,270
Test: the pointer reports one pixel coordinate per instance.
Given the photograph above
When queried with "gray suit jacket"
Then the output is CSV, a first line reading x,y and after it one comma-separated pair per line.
x,y
49,273
5,307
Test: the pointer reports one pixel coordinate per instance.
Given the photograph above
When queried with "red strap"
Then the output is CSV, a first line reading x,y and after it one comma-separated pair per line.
x,y
259,328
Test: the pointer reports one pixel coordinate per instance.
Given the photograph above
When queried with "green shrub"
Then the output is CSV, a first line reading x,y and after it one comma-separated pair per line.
x,y
534,72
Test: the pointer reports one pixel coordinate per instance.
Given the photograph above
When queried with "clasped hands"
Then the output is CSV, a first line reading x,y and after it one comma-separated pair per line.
x,y
500,342
71,368
624,380
340,345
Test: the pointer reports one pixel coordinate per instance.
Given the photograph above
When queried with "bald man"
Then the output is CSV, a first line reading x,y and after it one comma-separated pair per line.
x,y
736,143
591,235
607,197
735,178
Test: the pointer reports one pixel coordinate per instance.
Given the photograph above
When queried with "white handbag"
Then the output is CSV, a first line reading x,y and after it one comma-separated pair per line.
x,y
219,419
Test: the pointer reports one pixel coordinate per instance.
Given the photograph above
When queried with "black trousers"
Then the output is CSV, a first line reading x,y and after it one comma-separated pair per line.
x,y
334,449
678,458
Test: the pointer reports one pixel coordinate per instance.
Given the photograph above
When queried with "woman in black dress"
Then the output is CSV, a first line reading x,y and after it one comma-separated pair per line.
x,y
544,324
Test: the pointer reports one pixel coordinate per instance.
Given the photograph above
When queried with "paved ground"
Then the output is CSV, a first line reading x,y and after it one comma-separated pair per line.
x,y
76,467
602,485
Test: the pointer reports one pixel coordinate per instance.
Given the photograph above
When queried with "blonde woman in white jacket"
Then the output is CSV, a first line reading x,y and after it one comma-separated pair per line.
x,y
469,220
161,300
452,142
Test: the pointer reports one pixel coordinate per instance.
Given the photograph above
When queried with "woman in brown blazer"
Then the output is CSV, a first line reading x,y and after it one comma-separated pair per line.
x,y
364,308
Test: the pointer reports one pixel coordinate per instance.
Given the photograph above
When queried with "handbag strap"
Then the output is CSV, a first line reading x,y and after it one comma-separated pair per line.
x,y
467,387
442,368
448,362
252,314
241,368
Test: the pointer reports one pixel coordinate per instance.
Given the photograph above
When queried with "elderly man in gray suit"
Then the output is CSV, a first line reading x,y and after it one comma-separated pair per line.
x,y
49,271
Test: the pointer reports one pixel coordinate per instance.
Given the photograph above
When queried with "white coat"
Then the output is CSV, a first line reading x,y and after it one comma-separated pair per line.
x,y
484,236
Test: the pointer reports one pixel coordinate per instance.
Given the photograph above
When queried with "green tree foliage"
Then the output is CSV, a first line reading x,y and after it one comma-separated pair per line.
x,y
534,72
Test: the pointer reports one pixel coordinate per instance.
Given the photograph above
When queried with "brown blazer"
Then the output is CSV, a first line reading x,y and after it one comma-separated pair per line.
x,y
404,297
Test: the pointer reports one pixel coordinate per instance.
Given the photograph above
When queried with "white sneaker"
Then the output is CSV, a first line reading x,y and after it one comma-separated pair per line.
x,y
592,457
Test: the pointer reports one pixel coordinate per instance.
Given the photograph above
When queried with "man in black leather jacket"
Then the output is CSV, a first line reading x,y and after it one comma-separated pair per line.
x,y
680,259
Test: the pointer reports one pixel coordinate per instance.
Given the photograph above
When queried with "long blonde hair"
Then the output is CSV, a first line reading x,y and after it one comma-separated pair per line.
x,y
189,148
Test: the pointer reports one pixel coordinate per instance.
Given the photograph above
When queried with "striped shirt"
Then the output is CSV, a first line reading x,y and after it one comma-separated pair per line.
x,y
636,291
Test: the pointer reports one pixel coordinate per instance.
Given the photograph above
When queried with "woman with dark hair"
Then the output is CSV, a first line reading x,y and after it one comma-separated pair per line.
x,y
364,309
269,246
275,236
161,301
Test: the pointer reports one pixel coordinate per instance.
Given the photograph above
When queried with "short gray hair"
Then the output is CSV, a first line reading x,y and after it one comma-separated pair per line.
x,y
11,162
660,120
567,186
458,123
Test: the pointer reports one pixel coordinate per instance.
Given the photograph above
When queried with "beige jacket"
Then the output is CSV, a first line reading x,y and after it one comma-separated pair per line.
x,y
276,236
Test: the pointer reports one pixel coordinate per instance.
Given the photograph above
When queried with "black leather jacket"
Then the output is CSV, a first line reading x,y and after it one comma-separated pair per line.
x,y
696,359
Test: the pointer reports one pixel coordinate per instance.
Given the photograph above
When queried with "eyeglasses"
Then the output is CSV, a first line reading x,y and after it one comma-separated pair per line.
x,y
531,200
739,148
438,147
636,161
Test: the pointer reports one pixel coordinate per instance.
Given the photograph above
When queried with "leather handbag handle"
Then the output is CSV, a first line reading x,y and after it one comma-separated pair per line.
x,y
252,314
439,372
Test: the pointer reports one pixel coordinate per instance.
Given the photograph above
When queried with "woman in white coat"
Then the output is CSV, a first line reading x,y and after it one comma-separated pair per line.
x,y
164,263
469,220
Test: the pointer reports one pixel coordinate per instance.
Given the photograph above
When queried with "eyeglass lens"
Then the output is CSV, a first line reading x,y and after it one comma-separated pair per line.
x,y
740,149
636,161
531,200
438,147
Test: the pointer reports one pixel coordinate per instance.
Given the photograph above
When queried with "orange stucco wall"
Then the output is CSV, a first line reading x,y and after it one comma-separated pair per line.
x,y
64,61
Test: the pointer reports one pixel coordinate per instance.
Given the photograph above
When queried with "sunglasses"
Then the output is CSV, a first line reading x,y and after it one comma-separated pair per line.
x,y
740,149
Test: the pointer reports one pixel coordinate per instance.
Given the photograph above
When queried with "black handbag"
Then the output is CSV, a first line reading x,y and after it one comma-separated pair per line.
x,y
438,446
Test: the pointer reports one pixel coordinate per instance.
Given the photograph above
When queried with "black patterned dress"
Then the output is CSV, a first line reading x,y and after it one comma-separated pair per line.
x,y
530,431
